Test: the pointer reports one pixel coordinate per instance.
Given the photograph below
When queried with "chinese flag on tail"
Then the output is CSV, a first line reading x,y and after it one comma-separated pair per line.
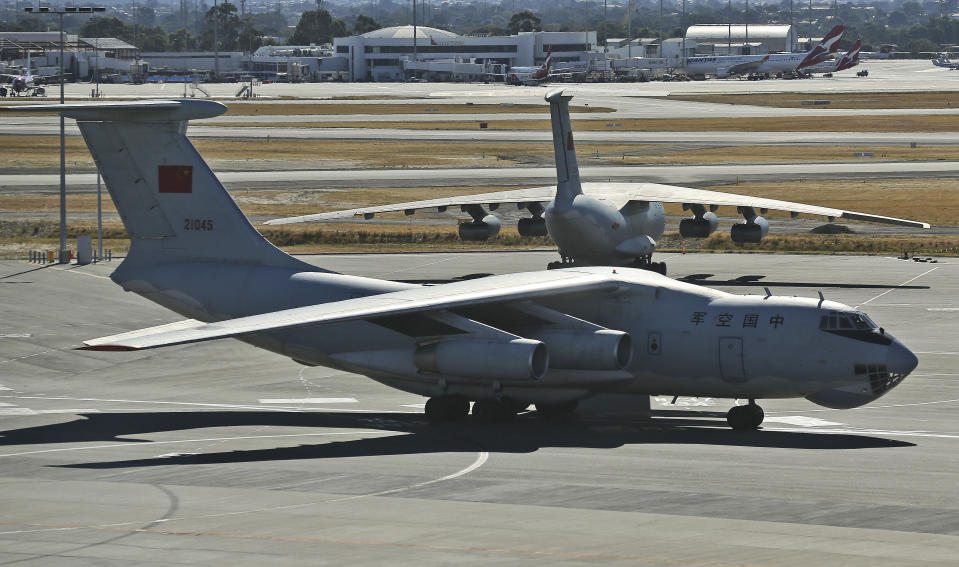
x,y
176,178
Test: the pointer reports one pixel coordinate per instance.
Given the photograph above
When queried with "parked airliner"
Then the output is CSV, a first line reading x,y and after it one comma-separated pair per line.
x,y
724,66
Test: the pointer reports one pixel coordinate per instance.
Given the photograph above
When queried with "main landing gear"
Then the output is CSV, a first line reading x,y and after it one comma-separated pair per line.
x,y
749,416
643,263
646,263
453,408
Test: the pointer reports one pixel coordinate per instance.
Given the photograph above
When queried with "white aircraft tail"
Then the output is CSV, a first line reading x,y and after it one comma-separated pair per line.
x,y
172,205
567,170
28,75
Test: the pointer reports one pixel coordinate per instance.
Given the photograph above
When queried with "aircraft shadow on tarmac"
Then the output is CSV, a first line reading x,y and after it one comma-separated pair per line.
x,y
526,434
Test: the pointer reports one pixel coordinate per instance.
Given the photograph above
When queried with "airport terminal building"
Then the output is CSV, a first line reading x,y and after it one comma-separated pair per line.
x,y
385,54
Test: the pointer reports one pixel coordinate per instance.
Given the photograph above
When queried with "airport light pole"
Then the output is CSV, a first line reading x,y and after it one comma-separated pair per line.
x,y
63,256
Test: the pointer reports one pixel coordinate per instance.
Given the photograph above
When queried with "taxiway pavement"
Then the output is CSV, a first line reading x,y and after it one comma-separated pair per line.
x,y
224,454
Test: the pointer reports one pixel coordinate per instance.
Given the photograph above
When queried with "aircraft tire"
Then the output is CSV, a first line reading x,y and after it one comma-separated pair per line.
x,y
748,417
447,408
492,410
561,409
659,268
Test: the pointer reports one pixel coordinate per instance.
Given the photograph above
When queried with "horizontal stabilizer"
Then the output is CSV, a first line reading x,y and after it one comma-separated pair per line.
x,y
140,110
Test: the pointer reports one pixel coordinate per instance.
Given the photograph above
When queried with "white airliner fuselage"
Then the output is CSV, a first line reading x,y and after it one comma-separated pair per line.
x,y
724,66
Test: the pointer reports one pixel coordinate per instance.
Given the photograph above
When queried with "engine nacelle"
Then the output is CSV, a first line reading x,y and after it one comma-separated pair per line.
x,y
753,231
519,359
480,230
577,349
699,227
535,226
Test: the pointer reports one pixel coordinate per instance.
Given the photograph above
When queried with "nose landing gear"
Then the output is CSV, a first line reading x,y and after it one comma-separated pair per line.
x,y
749,416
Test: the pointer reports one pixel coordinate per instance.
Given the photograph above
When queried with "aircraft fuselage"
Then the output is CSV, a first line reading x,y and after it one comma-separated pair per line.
x,y
686,339
594,232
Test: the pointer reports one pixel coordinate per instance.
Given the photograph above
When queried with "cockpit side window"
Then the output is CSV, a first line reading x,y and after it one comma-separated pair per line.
x,y
846,321
862,321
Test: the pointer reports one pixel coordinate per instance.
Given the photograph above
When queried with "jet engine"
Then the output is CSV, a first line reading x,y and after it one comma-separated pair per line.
x,y
483,226
701,225
480,230
519,359
749,231
534,226
577,349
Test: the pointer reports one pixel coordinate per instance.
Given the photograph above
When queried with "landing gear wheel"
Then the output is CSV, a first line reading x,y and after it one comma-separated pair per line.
x,y
745,417
554,265
447,408
560,409
493,410
658,267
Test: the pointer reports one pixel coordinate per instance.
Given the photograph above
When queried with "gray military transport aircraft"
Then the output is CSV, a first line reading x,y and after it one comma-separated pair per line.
x,y
550,338
604,224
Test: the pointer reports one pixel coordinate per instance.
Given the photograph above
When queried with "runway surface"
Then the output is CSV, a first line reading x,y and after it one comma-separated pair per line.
x,y
224,454
400,177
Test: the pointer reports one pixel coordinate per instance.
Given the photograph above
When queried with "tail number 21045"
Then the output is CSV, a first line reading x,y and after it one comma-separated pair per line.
x,y
198,224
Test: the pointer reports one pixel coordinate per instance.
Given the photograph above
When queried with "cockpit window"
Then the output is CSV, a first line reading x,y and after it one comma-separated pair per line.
x,y
846,321
863,321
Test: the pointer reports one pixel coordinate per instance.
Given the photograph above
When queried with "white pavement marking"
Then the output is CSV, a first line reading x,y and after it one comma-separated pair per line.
x,y
17,411
684,401
938,352
897,287
414,406
801,420
4,388
16,335
480,460
308,401
942,308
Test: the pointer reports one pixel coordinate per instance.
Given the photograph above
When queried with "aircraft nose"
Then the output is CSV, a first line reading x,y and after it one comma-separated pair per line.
x,y
900,360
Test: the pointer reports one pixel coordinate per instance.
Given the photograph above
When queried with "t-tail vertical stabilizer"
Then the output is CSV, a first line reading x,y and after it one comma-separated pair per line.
x,y
172,205
567,171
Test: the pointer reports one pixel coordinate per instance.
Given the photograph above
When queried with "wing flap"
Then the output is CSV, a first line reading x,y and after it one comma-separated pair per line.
x,y
534,194
493,289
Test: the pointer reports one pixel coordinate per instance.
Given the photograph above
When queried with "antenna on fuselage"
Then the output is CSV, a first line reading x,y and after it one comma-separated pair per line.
x,y
821,299
768,293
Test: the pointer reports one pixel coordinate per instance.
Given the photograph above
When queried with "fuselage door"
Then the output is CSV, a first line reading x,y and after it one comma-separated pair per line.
x,y
731,359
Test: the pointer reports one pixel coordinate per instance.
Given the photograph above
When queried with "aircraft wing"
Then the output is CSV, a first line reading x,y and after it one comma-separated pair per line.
x,y
673,194
517,196
746,67
493,289
615,194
